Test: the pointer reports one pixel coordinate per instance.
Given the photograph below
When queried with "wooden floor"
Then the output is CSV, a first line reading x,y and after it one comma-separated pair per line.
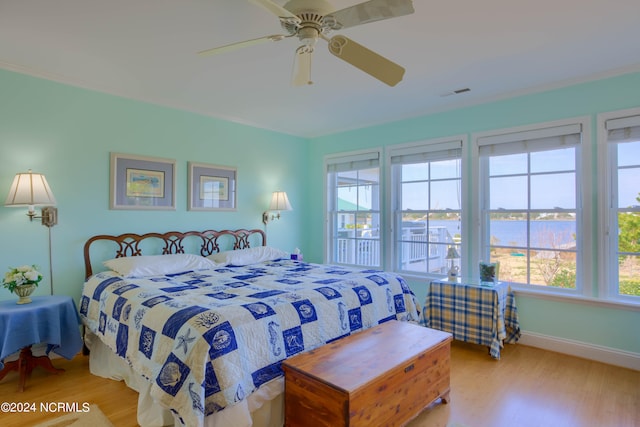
x,y
527,387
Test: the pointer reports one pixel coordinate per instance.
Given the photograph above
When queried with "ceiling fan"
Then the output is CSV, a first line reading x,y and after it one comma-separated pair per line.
x,y
310,20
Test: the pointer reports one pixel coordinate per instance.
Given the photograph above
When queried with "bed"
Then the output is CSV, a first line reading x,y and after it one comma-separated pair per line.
x,y
199,322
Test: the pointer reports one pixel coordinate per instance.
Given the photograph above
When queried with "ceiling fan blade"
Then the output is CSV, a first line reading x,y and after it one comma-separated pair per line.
x,y
276,9
302,67
238,45
369,11
367,60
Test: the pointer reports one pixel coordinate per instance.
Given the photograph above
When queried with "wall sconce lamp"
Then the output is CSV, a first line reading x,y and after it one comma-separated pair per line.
x,y
279,202
32,189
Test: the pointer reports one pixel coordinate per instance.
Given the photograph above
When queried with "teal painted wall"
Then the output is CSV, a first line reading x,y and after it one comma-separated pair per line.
x,y
68,133
605,326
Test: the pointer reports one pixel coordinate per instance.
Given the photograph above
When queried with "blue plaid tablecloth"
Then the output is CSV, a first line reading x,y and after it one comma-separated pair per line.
x,y
485,315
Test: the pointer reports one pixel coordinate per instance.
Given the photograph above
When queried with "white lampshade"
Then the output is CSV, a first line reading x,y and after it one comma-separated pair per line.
x,y
30,189
280,202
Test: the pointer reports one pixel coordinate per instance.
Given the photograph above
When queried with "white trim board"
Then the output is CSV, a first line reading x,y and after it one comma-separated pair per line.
x,y
608,355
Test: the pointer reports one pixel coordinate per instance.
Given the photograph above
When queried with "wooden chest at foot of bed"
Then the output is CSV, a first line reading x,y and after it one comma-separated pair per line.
x,y
383,376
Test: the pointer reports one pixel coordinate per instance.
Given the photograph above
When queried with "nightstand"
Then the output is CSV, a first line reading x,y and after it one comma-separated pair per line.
x,y
473,312
52,320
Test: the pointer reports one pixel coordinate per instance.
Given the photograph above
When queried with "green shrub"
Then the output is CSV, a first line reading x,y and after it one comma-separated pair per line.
x,y
630,287
564,279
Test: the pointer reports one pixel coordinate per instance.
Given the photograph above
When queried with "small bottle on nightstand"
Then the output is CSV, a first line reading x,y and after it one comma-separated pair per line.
x,y
296,255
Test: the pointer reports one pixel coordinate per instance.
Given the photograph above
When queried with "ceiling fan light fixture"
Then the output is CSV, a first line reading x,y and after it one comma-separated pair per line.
x,y
308,36
312,19
302,66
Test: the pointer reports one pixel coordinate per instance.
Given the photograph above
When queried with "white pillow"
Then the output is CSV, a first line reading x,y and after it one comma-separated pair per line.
x,y
248,256
154,265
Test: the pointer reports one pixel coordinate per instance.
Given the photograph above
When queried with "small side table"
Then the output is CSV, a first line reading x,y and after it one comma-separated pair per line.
x,y
52,320
485,315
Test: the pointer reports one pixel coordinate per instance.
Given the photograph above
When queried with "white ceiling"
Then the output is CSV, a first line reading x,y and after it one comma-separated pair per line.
x,y
146,50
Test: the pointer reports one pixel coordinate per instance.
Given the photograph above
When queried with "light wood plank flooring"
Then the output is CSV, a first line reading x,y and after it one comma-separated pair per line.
x,y
528,387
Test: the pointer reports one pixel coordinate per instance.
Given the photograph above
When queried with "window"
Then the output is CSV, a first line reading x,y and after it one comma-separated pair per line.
x,y
529,198
353,209
621,199
426,204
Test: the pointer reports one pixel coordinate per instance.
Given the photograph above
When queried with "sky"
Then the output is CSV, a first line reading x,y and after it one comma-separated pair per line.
x,y
553,175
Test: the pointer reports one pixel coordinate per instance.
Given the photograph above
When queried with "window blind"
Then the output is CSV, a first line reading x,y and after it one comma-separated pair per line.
x,y
427,152
530,141
624,129
353,162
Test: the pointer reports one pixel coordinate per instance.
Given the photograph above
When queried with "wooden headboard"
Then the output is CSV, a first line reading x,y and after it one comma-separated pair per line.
x,y
172,242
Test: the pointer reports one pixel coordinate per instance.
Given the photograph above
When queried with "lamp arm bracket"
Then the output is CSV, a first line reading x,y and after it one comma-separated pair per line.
x,y
49,216
266,219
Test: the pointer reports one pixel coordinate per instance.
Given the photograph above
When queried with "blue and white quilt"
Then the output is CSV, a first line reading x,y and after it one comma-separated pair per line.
x,y
206,339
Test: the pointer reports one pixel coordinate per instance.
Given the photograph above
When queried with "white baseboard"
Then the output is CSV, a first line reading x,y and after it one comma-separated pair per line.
x,y
611,356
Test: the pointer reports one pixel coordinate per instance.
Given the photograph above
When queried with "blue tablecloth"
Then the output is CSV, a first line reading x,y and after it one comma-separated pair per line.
x,y
485,315
52,320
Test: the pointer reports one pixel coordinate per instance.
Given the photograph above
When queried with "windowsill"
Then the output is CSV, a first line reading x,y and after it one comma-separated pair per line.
x,y
417,277
577,299
546,294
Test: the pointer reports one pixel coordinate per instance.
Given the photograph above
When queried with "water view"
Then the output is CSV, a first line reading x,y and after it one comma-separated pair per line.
x,y
514,232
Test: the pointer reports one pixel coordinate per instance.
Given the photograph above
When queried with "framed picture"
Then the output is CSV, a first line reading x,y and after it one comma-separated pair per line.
x,y
211,187
139,182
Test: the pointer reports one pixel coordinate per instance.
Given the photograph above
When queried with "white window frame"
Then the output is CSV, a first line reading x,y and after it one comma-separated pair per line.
x,y
341,158
584,220
608,283
393,202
